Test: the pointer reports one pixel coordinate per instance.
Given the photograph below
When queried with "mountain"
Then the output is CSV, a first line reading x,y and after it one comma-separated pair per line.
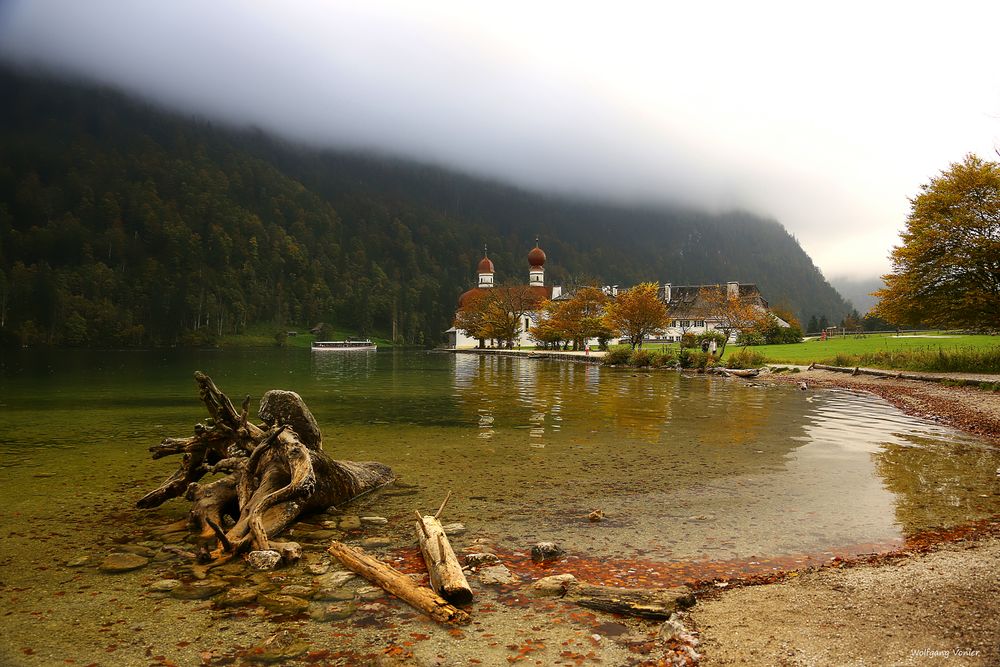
x,y
124,224
858,291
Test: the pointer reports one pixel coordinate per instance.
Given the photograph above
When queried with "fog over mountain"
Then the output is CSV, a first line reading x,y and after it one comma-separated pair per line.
x,y
826,121
858,291
122,225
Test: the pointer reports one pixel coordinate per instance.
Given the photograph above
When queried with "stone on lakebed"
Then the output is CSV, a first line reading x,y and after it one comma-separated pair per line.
x,y
283,604
122,562
263,560
235,597
199,590
546,551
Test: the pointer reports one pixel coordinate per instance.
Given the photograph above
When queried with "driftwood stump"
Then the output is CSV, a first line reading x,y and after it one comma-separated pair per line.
x,y
274,472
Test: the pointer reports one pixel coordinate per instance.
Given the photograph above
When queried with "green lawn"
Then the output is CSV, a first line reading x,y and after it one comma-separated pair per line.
x,y
928,352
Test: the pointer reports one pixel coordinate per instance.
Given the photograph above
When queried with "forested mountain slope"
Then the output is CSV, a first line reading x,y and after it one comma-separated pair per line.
x,y
122,224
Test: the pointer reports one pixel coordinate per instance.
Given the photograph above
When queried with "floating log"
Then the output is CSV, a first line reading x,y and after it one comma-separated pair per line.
x,y
654,603
397,583
447,578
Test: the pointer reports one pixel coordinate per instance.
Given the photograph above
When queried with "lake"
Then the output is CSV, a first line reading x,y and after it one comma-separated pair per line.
x,y
698,476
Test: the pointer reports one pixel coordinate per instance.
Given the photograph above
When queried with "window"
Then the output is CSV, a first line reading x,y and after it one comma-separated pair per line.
x,y
699,323
527,323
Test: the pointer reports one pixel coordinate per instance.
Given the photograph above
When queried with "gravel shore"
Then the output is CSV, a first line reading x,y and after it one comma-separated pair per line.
x,y
940,607
937,608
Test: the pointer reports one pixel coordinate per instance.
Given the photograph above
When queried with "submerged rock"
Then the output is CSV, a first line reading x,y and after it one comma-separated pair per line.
x,y
370,592
323,535
278,648
79,561
297,590
263,560
554,585
480,559
291,552
349,523
321,567
283,604
123,562
496,574
165,585
138,550
546,551
331,612
331,594
235,597
235,569
374,520
199,590
333,579
377,542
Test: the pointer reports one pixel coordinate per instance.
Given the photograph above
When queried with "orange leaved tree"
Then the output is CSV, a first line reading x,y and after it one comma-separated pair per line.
x,y
946,273
637,313
731,312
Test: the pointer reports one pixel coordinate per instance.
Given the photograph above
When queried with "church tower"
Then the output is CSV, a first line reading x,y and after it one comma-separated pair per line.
x,y
536,262
485,270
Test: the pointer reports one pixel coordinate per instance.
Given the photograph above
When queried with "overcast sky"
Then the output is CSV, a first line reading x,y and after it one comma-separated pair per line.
x,y
826,116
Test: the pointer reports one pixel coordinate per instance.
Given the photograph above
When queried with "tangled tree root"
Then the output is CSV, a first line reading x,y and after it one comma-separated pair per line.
x,y
273,472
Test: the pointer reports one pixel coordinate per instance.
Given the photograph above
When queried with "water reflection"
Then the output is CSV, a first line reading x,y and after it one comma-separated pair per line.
x,y
343,366
683,466
934,488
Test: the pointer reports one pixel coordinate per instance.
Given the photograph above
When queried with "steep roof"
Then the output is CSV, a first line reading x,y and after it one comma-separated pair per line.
x,y
689,300
539,292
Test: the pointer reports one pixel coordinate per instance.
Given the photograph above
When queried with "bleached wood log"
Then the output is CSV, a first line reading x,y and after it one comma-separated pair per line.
x,y
393,581
447,578
655,603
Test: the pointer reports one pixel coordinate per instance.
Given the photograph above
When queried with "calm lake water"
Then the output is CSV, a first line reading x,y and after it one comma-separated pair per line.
x,y
687,468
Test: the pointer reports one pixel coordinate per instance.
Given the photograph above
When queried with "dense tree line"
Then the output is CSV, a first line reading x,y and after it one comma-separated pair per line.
x,y
124,225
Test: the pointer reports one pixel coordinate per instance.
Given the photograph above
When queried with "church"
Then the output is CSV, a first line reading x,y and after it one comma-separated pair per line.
x,y
536,288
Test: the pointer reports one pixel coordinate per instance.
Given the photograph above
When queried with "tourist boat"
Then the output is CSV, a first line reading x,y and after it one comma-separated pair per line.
x,y
344,345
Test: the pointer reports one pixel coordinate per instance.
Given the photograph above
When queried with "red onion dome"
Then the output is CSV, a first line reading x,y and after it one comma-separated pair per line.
x,y
485,265
537,256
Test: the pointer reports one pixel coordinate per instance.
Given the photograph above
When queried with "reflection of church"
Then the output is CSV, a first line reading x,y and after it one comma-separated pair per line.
x,y
536,286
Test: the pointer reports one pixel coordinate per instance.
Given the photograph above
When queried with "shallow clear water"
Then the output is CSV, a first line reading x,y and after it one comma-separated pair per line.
x,y
685,468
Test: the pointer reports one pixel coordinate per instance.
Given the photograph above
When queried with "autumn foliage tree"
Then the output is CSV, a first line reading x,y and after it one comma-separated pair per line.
x,y
946,273
546,332
470,318
637,313
578,318
733,313
497,313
